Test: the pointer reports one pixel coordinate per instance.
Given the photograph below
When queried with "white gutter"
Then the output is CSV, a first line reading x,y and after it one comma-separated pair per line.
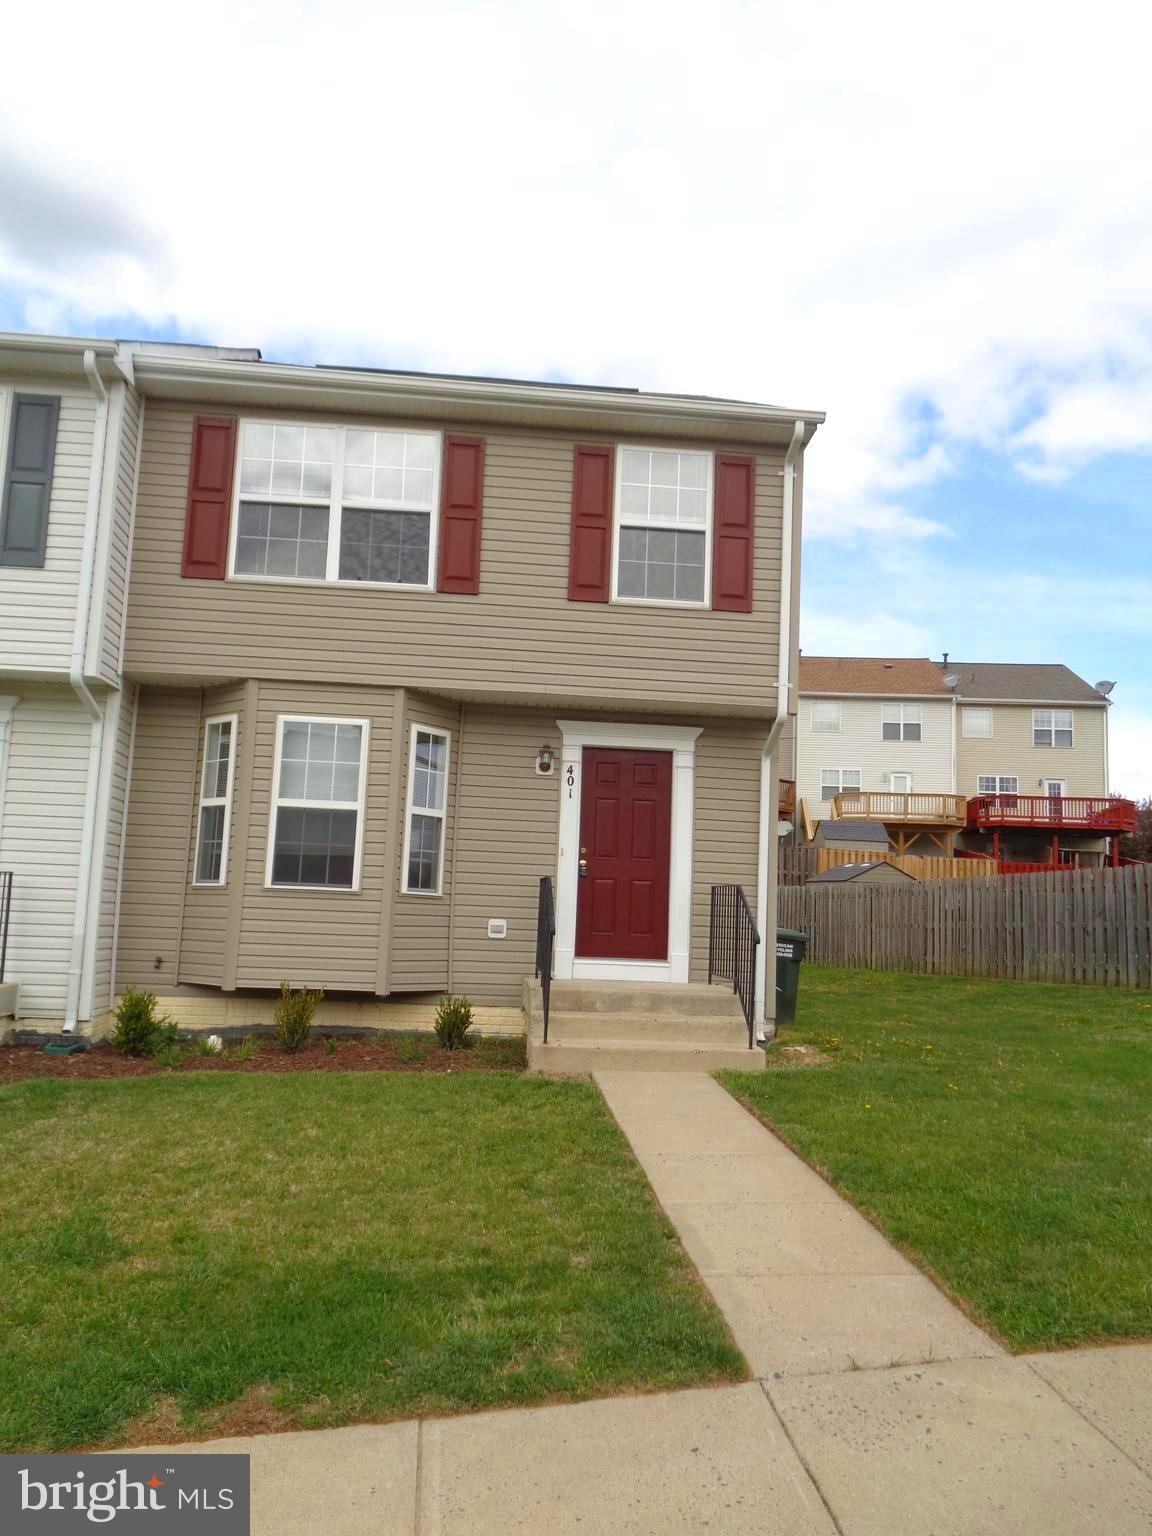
x,y
80,687
765,885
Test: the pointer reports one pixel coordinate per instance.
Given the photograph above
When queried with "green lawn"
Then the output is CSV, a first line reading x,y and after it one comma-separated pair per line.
x,y
211,1253
999,1132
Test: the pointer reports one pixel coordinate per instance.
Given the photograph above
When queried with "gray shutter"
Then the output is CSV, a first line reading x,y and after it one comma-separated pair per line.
x,y
28,481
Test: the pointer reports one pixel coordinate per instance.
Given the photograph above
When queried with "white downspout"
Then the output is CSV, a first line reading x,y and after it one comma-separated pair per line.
x,y
80,687
765,917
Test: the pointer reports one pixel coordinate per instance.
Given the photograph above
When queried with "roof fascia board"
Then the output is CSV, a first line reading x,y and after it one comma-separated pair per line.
x,y
850,693
965,698
289,381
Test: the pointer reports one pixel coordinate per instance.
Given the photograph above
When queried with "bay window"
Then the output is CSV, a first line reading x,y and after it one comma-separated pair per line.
x,y
347,504
317,803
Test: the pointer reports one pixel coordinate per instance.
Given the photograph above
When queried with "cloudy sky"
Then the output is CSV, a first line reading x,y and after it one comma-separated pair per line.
x,y
935,223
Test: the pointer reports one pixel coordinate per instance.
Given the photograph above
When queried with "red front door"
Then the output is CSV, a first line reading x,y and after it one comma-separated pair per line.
x,y
625,850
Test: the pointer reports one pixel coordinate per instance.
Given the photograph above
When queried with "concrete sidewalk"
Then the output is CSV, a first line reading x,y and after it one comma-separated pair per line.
x,y
879,1408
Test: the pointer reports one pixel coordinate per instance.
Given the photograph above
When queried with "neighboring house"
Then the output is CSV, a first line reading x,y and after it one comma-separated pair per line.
x,y
406,644
69,422
1005,760
1032,762
874,742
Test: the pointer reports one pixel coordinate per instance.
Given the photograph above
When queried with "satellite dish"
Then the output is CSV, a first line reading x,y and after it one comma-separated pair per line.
x,y
1105,687
951,678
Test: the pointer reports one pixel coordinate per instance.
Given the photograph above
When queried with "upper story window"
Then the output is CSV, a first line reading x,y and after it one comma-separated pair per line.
x,y
28,426
1051,727
825,715
216,779
336,504
900,722
318,803
975,722
663,526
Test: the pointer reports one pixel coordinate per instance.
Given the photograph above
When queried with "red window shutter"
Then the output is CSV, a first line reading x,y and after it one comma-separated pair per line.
x,y
590,557
461,506
732,525
209,498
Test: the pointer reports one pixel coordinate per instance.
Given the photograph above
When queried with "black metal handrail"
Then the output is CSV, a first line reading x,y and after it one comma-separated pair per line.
x,y
732,942
5,914
545,942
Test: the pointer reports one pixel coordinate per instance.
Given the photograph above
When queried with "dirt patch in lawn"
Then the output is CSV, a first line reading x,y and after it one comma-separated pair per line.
x,y
375,1054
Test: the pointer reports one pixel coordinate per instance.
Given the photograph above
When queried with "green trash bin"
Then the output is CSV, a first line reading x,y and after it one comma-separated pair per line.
x,y
790,948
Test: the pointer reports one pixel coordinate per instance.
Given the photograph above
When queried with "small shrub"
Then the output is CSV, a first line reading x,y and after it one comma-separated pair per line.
x,y
169,1055
330,1046
293,1016
140,1030
212,1046
245,1049
453,1021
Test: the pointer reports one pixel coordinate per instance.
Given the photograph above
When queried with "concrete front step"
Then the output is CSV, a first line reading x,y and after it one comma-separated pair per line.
x,y
684,1000
648,1028
576,1058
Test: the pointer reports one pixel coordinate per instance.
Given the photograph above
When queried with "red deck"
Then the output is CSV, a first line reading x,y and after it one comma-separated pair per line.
x,y
1075,813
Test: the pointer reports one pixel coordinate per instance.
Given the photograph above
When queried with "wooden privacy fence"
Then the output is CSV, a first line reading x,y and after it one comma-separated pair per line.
x,y
1086,925
801,862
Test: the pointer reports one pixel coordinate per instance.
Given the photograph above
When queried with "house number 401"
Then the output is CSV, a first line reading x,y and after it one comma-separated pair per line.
x,y
571,778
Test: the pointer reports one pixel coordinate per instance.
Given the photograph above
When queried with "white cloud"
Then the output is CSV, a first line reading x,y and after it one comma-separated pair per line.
x,y
935,223
868,634
1130,752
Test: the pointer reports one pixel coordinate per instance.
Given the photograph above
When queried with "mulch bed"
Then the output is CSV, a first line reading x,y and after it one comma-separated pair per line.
x,y
20,1062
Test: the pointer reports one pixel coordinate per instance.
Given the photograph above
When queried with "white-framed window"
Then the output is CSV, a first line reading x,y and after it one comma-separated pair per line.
x,y
217,776
835,781
975,721
1056,788
900,783
1051,727
663,534
825,715
330,503
423,864
318,784
997,784
900,722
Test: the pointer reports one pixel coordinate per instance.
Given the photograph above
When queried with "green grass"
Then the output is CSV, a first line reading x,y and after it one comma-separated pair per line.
x,y
999,1132
195,1253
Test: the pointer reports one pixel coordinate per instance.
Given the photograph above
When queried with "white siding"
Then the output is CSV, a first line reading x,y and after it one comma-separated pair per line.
x,y
40,828
38,607
859,743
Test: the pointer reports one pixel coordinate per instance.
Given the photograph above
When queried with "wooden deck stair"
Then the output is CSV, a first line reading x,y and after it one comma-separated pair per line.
x,y
618,1026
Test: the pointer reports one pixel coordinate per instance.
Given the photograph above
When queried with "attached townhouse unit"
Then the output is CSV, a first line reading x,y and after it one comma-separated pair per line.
x,y
428,684
69,422
993,760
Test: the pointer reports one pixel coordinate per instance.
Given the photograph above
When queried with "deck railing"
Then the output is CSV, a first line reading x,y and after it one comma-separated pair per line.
x,y
545,943
1086,813
5,915
787,806
733,939
929,810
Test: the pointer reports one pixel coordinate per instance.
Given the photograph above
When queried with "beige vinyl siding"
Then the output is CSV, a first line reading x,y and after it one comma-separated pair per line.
x,y
204,932
418,954
110,837
316,938
38,606
519,639
727,817
859,743
111,603
40,829
160,811
1009,750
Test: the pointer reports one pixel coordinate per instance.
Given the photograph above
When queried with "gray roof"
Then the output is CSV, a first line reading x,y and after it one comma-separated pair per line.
x,y
851,872
832,832
1047,683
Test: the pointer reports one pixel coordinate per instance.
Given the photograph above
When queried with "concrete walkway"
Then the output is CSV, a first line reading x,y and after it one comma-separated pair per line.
x,y
878,1407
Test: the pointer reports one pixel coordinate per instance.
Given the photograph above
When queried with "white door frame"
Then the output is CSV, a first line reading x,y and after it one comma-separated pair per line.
x,y
680,740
